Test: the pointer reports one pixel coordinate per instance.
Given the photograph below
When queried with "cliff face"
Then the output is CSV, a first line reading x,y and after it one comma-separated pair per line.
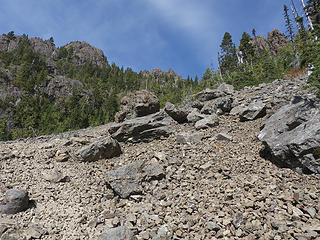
x,y
273,43
41,84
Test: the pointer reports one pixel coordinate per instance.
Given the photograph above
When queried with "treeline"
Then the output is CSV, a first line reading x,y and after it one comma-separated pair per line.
x,y
250,64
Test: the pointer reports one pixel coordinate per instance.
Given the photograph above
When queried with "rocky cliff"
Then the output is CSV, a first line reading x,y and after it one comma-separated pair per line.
x,y
273,43
45,89
215,174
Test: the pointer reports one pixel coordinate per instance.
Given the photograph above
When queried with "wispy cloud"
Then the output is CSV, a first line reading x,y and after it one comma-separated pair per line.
x,y
143,34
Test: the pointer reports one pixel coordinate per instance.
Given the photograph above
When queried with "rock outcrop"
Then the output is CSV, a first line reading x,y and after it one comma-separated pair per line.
x,y
273,43
83,52
61,88
137,104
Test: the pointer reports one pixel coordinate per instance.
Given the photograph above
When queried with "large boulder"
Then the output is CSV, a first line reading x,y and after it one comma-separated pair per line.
x,y
118,233
292,135
208,122
127,180
101,149
177,113
208,94
194,116
226,88
254,110
143,129
137,104
223,105
15,201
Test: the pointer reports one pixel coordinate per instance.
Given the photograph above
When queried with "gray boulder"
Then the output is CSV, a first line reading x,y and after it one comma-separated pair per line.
x,y
194,116
118,233
208,122
143,129
137,104
179,114
127,180
189,138
15,201
101,149
208,94
254,110
226,88
208,108
292,135
223,105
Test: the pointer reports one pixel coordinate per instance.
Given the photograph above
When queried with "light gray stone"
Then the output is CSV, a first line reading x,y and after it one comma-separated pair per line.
x,y
208,122
143,129
101,149
118,233
254,110
292,135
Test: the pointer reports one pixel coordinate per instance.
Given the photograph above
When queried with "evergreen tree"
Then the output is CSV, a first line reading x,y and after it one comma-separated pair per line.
x,y
207,76
291,34
228,57
313,12
246,48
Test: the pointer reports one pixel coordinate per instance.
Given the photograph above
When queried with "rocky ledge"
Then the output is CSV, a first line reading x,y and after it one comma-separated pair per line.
x,y
201,170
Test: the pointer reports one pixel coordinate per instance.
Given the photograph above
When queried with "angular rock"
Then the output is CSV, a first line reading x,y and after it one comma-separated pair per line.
x,y
118,233
208,94
54,176
223,105
224,136
127,180
106,148
177,113
189,138
143,129
208,122
15,201
226,88
137,104
253,111
194,116
292,135
208,108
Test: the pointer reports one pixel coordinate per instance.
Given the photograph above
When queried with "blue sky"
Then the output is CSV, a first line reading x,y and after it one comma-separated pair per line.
x,y
144,34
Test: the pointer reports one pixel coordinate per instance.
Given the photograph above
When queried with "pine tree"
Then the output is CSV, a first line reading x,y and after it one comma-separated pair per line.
x,y
313,13
246,48
291,34
228,57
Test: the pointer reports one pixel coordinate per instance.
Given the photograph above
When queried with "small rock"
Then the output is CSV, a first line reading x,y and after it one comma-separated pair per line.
x,y
54,176
189,138
212,226
224,136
